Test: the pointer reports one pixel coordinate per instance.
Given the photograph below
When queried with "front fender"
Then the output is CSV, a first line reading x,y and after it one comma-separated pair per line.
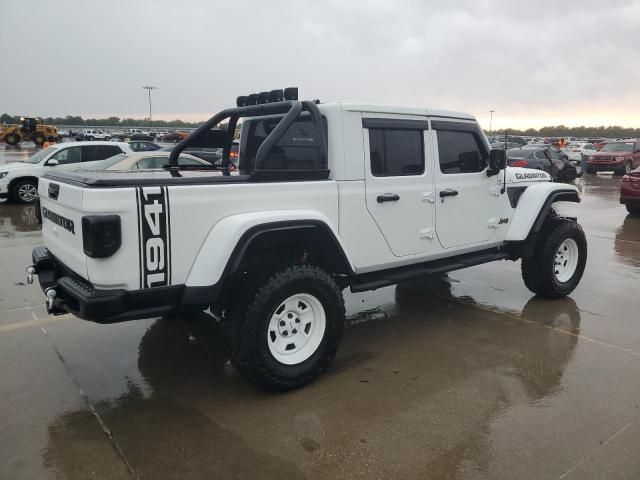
x,y
534,205
218,247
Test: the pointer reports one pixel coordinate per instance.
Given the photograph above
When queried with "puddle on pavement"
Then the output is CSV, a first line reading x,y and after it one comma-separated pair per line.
x,y
189,415
627,241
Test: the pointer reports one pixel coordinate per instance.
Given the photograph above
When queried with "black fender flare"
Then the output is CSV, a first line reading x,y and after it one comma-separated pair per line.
x,y
207,295
564,195
321,229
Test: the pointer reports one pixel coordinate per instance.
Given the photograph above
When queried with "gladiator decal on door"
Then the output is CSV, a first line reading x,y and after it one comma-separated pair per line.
x,y
154,233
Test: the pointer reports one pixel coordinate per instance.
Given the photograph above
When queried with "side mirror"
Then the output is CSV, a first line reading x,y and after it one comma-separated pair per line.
x,y
497,159
52,163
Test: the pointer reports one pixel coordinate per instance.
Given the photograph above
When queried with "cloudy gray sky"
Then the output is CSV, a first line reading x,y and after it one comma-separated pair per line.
x,y
535,63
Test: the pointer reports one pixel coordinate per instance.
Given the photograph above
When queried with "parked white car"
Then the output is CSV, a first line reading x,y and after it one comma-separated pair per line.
x,y
575,151
143,161
19,180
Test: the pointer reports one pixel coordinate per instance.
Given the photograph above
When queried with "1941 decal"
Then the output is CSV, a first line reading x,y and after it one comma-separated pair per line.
x,y
155,236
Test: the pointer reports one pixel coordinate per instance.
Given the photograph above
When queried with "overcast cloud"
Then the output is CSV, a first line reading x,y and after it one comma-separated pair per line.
x,y
535,63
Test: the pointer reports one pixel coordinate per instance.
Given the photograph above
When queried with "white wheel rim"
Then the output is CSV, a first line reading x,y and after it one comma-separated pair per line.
x,y
296,329
566,260
27,192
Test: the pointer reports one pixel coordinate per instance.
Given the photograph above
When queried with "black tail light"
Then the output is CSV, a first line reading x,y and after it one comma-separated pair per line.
x,y
101,235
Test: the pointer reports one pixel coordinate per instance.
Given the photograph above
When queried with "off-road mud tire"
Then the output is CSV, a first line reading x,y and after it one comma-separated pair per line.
x,y
538,269
246,326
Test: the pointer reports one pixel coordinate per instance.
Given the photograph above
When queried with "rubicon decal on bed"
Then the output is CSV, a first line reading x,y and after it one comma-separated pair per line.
x,y
154,233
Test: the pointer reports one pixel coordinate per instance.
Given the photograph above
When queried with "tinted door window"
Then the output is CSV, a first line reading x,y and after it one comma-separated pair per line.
x,y
460,152
99,152
68,155
396,153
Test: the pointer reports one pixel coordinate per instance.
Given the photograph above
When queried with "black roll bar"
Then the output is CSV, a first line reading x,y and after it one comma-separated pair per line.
x,y
276,134
291,109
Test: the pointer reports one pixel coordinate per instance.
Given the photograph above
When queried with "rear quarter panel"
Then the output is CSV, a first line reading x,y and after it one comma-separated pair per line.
x,y
193,211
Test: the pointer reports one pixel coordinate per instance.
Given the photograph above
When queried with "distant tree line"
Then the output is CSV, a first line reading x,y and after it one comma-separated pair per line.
x,y
564,131
557,131
103,122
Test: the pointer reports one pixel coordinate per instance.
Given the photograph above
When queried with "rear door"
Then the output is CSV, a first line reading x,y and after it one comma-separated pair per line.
x,y
468,202
399,182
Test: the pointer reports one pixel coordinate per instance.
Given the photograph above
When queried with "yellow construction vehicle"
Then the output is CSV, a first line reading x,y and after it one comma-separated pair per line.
x,y
29,129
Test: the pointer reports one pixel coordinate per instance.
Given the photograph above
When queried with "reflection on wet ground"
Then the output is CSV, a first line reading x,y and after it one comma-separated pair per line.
x,y
17,153
462,376
17,219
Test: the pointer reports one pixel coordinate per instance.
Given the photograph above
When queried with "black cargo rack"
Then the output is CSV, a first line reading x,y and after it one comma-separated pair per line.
x,y
291,111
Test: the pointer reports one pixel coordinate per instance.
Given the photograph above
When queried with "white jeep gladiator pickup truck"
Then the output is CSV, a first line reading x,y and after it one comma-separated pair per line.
x,y
327,196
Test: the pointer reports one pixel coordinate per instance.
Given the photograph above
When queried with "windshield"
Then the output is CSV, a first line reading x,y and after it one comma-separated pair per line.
x,y
617,147
38,157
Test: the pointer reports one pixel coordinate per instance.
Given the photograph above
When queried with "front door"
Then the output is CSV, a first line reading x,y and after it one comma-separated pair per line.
x,y
468,202
399,182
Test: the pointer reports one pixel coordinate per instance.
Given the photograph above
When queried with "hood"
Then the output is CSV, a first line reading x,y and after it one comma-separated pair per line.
x,y
15,166
526,175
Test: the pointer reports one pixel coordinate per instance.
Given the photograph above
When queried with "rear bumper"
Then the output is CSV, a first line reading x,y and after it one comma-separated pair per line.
x,y
76,295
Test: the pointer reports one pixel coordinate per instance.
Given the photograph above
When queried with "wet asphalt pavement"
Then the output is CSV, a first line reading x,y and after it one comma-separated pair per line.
x,y
467,377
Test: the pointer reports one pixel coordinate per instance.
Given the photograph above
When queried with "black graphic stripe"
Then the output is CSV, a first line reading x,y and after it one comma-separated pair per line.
x,y
169,264
154,231
140,214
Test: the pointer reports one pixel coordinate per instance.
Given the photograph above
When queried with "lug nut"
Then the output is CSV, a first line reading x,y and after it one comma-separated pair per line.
x,y
285,333
295,331
297,320
282,323
290,315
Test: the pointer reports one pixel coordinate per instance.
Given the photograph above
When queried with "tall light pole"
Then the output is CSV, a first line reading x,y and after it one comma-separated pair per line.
x,y
148,88
491,120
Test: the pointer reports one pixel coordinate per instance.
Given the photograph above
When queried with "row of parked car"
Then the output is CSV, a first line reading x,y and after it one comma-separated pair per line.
x,y
622,157
19,180
91,134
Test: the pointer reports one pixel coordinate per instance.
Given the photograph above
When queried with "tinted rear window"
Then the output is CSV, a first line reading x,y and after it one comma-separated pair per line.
x,y
298,149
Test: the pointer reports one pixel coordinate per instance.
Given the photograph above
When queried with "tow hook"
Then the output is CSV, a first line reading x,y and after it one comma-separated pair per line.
x,y
30,272
51,296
